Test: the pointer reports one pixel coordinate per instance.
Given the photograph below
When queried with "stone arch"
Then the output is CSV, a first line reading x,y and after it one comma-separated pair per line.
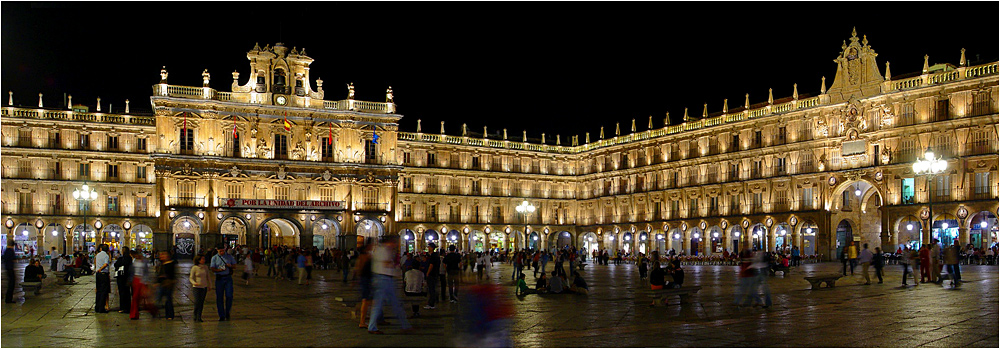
x,y
281,231
327,234
186,234
57,240
716,238
408,241
945,228
840,187
982,229
233,230
695,238
758,235
478,241
807,232
142,237
906,232
25,239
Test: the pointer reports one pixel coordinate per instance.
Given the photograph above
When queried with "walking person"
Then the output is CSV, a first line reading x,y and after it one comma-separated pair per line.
x,y
865,258
222,265
760,266
951,262
482,265
385,269
300,263
140,293
852,256
166,277
200,284
8,269
910,262
102,263
433,264
544,260
935,253
364,275
925,263
123,276
878,261
454,272
248,269
746,276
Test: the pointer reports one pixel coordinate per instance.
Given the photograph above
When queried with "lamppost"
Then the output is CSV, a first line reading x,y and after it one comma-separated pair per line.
x,y
525,209
930,166
85,194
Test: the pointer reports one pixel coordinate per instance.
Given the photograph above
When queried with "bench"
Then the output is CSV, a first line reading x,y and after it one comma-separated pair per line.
x,y
830,280
684,293
35,286
784,270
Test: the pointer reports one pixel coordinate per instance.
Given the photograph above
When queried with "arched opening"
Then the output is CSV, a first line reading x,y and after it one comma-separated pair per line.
x,y
908,232
676,241
186,231
55,235
142,237
368,229
734,238
533,241
945,229
643,243
431,236
860,203
782,235
563,240
25,240
661,243
409,242
845,236
113,235
84,237
280,232
233,231
478,241
326,234
590,243
696,241
627,243
808,231
715,236
610,243
452,238
983,229
758,237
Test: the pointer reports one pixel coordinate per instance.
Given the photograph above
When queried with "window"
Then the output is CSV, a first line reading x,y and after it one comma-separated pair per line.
x,y
233,145
982,185
406,158
734,171
807,198
281,147
141,144
234,190
24,203
779,138
407,211
693,207
326,194
475,162
432,212
943,188
112,171
281,193
805,162
735,144
780,200
734,204
84,141
675,208
140,173
187,141
55,201
407,183
112,142
943,145
54,140
431,160
941,111
981,103
906,114
907,190
779,166
758,139
371,151
113,204
186,189
84,171
141,205
758,203
845,197
497,214
756,169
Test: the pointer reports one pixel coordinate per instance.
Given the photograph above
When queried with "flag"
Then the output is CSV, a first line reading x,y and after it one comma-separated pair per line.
x,y
288,126
330,139
374,138
235,135
185,122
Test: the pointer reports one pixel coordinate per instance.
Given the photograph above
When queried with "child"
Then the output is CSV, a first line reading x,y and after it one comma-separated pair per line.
x,y
522,286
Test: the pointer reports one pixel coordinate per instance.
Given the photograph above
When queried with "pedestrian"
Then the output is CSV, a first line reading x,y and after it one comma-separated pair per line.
x,y
878,261
385,269
852,256
911,261
345,262
9,258
643,267
454,272
866,260
925,263
746,276
140,293
123,276
200,285
222,265
364,276
935,253
482,265
433,264
102,263
166,277
544,260
248,269
760,266
951,261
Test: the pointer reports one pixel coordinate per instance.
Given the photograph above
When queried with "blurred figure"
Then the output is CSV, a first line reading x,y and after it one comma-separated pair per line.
x,y
166,276
483,319
385,268
123,276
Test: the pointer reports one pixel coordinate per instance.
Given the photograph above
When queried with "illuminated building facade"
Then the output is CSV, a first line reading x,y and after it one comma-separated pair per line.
x,y
274,162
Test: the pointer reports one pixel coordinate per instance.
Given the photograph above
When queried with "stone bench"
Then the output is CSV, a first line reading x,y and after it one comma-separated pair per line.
x,y
830,280
684,293
35,286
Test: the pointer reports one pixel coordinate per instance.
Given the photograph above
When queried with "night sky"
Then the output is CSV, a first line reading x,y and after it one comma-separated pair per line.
x,y
559,68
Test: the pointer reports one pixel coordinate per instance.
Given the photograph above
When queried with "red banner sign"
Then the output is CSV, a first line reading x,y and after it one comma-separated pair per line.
x,y
283,204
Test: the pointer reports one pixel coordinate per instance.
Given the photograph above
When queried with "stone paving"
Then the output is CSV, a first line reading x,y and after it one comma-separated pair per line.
x,y
275,313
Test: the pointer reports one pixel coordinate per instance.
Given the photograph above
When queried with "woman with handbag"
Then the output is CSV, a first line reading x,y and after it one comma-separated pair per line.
x,y
200,284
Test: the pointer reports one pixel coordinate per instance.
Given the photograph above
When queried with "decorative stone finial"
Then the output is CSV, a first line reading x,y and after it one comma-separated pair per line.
x,y
822,87
650,127
795,91
666,120
854,32
704,111
543,137
418,125
70,104
524,135
961,61
350,91
205,76
633,125
98,103
618,130
319,85
40,100
505,134
601,136
746,102
126,106
686,117
926,67
388,95
10,100
586,138
770,96
236,76
465,130
558,142
485,134
163,75
725,105
442,127
864,40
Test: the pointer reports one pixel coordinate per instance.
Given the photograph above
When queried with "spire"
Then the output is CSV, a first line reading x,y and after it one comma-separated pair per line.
x,y
822,87
543,137
854,32
725,105
10,100
650,122
961,61
505,134
686,117
40,100
926,68
126,106
558,141
666,120
887,74
70,104
524,135
704,111
418,125
618,130
770,96
98,103
746,102
587,139
602,133
485,134
795,91
633,125
442,127
465,130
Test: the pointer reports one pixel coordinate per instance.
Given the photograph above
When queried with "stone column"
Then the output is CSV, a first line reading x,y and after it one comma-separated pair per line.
x,y
963,233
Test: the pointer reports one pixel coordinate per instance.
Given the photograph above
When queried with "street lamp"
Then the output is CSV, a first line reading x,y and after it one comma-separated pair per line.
x,y
930,166
85,194
525,209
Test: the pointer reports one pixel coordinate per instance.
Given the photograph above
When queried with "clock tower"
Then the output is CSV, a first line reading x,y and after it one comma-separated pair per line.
x,y
278,76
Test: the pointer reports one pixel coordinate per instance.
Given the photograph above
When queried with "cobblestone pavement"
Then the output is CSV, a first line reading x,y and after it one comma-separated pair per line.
x,y
276,313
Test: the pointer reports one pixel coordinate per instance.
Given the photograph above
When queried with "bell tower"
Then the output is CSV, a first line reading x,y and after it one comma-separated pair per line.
x,y
857,73
278,76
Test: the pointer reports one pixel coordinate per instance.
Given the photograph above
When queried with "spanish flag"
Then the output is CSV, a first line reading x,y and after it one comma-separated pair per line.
x,y
288,126
330,140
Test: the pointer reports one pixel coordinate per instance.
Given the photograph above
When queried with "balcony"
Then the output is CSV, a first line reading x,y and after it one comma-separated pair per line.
x,y
186,201
371,207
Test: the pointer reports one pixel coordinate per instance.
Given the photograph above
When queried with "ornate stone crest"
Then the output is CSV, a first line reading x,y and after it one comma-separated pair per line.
x,y
281,172
327,175
234,171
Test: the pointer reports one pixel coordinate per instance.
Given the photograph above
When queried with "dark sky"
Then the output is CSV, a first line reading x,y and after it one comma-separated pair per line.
x,y
564,68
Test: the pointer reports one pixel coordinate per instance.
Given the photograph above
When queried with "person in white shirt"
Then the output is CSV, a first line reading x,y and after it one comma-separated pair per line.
x,y
413,286
102,270
384,270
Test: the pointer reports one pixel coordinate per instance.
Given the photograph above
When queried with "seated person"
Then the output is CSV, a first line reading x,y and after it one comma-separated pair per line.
x,y
413,285
67,266
656,281
522,286
34,271
556,283
784,261
678,275
579,285
541,284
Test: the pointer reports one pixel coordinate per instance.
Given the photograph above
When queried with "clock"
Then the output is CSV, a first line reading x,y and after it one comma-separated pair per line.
x,y
281,100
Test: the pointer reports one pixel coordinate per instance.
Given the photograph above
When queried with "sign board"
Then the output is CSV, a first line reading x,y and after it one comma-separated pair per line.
x,y
283,204
853,147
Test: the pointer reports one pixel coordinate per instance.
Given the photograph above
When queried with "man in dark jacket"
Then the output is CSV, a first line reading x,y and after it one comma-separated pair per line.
x,y
123,276
878,261
8,268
